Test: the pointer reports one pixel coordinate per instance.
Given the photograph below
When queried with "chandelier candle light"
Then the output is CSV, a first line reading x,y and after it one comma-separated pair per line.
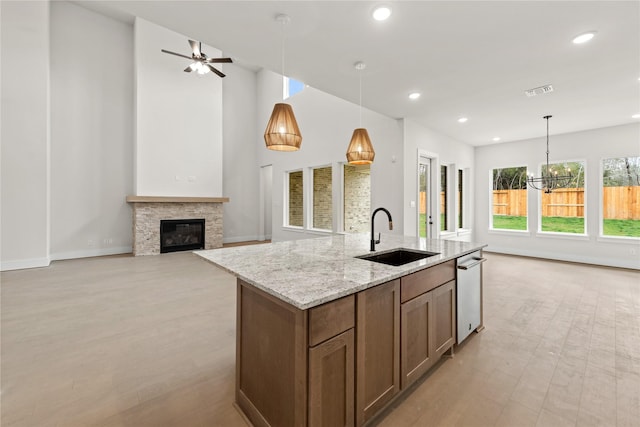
x,y
282,132
360,150
548,181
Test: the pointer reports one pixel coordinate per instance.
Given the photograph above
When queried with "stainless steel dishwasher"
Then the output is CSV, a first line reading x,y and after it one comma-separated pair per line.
x,y
469,294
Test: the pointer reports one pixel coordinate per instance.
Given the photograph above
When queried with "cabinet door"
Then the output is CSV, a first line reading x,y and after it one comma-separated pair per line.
x,y
331,382
378,348
416,338
444,319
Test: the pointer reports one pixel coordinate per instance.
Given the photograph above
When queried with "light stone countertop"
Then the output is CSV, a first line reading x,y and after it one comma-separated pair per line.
x,y
306,273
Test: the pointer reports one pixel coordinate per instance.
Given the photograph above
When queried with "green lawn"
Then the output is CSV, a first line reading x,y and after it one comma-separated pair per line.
x,y
622,227
563,225
612,227
506,222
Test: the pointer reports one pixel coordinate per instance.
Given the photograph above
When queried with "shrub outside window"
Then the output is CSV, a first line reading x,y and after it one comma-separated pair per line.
x,y
509,199
621,197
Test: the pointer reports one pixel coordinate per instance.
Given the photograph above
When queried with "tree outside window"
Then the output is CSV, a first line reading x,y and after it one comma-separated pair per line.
x,y
509,198
621,197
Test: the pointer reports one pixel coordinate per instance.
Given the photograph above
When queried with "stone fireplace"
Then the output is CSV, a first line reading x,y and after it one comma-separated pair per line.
x,y
148,211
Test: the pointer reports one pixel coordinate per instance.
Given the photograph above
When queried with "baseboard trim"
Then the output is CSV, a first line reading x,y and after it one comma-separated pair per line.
x,y
91,253
25,263
240,239
630,264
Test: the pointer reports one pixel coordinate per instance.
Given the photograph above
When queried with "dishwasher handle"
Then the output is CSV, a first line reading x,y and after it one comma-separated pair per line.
x,y
471,263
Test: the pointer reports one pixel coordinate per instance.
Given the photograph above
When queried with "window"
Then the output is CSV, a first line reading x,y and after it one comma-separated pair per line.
x,y
295,199
509,206
621,197
357,198
562,210
290,87
444,218
459,198
322,216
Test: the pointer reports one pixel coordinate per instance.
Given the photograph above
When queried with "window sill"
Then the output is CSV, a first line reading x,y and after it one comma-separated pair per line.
x,y
619,239
293,228
566,236
508,232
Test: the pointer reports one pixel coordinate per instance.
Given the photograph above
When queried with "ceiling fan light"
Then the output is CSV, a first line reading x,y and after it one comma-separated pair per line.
x,y
360,150
282,132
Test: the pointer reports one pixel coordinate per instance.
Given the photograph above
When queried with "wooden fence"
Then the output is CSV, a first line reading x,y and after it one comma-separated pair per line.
x,y
618,202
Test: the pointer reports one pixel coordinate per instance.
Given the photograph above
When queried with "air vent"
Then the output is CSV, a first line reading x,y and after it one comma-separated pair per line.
x,y
539,90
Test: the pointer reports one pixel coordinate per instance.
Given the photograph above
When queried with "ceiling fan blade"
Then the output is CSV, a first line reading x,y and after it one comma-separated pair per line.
x,y
219,60
176,54
214,70
188,69
196,47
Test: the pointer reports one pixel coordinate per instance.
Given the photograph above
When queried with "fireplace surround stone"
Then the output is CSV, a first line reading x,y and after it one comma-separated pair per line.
x,y
148,211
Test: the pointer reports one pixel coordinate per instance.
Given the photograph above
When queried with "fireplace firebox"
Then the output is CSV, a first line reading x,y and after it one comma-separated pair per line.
x,y
181,235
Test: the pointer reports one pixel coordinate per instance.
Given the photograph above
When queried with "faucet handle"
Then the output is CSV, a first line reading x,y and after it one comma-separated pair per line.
x,y
378,241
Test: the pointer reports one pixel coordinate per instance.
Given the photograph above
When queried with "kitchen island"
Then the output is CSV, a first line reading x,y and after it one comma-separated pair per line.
x,y
325,338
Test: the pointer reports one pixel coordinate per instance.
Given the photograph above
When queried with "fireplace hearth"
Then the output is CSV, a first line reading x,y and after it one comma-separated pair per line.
x,y
181,235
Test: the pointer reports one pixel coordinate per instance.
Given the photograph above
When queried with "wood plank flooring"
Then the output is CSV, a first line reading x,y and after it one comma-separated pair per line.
x,y
150,341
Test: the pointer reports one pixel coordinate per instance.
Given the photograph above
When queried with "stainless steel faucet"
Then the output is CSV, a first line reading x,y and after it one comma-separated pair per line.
x,y
374,242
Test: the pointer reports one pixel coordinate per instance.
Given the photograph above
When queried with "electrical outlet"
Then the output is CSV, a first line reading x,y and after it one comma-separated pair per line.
x,y
91,242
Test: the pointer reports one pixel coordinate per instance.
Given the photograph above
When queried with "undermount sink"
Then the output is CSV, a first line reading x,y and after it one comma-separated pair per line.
x,y
398,257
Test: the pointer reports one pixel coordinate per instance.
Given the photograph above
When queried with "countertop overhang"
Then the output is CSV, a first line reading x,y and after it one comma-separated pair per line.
x,y
306,273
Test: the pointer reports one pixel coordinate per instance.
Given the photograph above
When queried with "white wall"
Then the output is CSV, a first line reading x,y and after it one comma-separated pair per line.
x,y
178,118
326,124
241,177
446,151
24,136
91,132
591,146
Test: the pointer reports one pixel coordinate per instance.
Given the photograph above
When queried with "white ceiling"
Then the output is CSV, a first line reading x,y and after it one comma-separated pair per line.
x,y
468,58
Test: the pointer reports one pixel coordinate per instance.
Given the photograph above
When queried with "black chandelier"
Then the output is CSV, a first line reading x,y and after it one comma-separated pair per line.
x,y
548,181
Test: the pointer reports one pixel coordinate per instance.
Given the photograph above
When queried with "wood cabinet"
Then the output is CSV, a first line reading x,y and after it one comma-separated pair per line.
x,y
331,363
427,320
444,319
331,382
343,362
416,338
378,349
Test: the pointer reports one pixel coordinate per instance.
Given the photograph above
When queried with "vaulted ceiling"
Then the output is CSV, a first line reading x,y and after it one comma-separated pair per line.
x,y
467,58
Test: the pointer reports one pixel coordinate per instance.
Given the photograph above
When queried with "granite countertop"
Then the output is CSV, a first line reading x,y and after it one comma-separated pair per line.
x,y
306,273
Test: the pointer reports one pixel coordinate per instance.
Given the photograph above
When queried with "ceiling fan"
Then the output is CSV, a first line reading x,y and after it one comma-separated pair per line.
x,y
201,63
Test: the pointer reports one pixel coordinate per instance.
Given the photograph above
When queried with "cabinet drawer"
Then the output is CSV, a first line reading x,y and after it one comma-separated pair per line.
x,y
424,280
330,319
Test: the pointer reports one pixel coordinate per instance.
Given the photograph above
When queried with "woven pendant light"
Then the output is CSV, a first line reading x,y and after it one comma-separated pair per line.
x,y
282,132
360,150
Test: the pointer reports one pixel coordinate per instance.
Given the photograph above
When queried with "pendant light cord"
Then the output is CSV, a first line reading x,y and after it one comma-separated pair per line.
x,y
360,74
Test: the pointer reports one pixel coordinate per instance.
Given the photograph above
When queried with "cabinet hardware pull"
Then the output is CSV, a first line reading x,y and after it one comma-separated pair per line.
x,y
472,263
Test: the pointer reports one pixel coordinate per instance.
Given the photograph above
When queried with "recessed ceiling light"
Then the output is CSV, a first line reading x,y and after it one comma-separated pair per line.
x,y
414,95
636,116
462,119
381,13
496,138
584,37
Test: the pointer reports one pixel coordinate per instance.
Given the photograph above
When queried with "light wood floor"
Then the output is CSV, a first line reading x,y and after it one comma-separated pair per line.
x,y
150,341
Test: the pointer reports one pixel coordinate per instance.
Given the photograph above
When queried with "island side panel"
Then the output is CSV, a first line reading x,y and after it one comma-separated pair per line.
x,y
271,359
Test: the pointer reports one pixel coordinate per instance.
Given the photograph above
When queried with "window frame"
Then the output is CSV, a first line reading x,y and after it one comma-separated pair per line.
x,y
493,230
285,215
311,199
601,236
579,236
